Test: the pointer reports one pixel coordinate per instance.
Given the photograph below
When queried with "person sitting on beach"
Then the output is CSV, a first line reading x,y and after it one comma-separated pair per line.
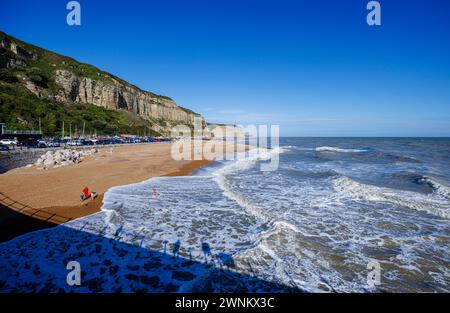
x,y
86,195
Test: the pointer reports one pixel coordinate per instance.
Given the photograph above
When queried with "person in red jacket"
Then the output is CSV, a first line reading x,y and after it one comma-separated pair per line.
x,y
85,195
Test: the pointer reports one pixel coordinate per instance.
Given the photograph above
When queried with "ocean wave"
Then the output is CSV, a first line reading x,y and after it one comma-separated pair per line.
x,y
436,187
431,184
308,173
326,149
112,217
297,148
244,162
402,158
285,252
341,150
289,147
431,204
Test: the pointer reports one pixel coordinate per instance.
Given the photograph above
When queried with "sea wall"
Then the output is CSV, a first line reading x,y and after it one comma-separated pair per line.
x,y
18,158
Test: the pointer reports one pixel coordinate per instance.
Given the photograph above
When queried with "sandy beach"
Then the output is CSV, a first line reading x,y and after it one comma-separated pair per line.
x,y
53,195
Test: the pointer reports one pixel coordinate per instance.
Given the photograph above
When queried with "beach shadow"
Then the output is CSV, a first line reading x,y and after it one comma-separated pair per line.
x,y
176,248
206,251
13,224
36,262
17,218
225,260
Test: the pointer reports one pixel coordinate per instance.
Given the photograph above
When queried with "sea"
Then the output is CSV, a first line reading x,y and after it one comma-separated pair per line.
x,y
335,215
331,207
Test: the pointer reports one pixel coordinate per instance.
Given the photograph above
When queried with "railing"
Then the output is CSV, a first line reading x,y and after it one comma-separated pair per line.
x,y
21,132
20,208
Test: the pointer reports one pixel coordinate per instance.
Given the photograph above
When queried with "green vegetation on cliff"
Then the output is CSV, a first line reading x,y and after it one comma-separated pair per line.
x,y
28,93
20,109
42,64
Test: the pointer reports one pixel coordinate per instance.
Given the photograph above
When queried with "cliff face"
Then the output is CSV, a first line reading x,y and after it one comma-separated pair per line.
x,y
117,95
65,80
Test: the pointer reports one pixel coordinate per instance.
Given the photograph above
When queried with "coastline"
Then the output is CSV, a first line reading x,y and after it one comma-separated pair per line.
x,y
35,199
94,206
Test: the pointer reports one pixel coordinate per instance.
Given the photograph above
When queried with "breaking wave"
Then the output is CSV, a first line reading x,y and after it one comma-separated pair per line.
x,y
432,204
244,162
436,187
341,150
307,224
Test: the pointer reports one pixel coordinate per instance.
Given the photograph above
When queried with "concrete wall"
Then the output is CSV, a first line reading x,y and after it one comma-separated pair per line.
x,y
18,158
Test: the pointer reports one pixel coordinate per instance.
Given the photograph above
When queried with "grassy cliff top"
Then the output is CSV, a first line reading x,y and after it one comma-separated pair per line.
x,y
47,62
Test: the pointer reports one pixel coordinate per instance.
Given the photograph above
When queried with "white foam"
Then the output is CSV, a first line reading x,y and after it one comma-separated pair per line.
x,y
336,149
413,200
189,208
316,234
244,161
437,188
298,148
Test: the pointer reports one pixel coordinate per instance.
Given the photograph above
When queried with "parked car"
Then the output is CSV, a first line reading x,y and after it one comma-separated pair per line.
x,y
29,142
103,142
42,144
54,143
149,139
88,143
8,142
117,141
4,147
75,143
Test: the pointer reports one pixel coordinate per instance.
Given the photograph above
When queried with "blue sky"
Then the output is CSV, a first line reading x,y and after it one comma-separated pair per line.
x,y
313,67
